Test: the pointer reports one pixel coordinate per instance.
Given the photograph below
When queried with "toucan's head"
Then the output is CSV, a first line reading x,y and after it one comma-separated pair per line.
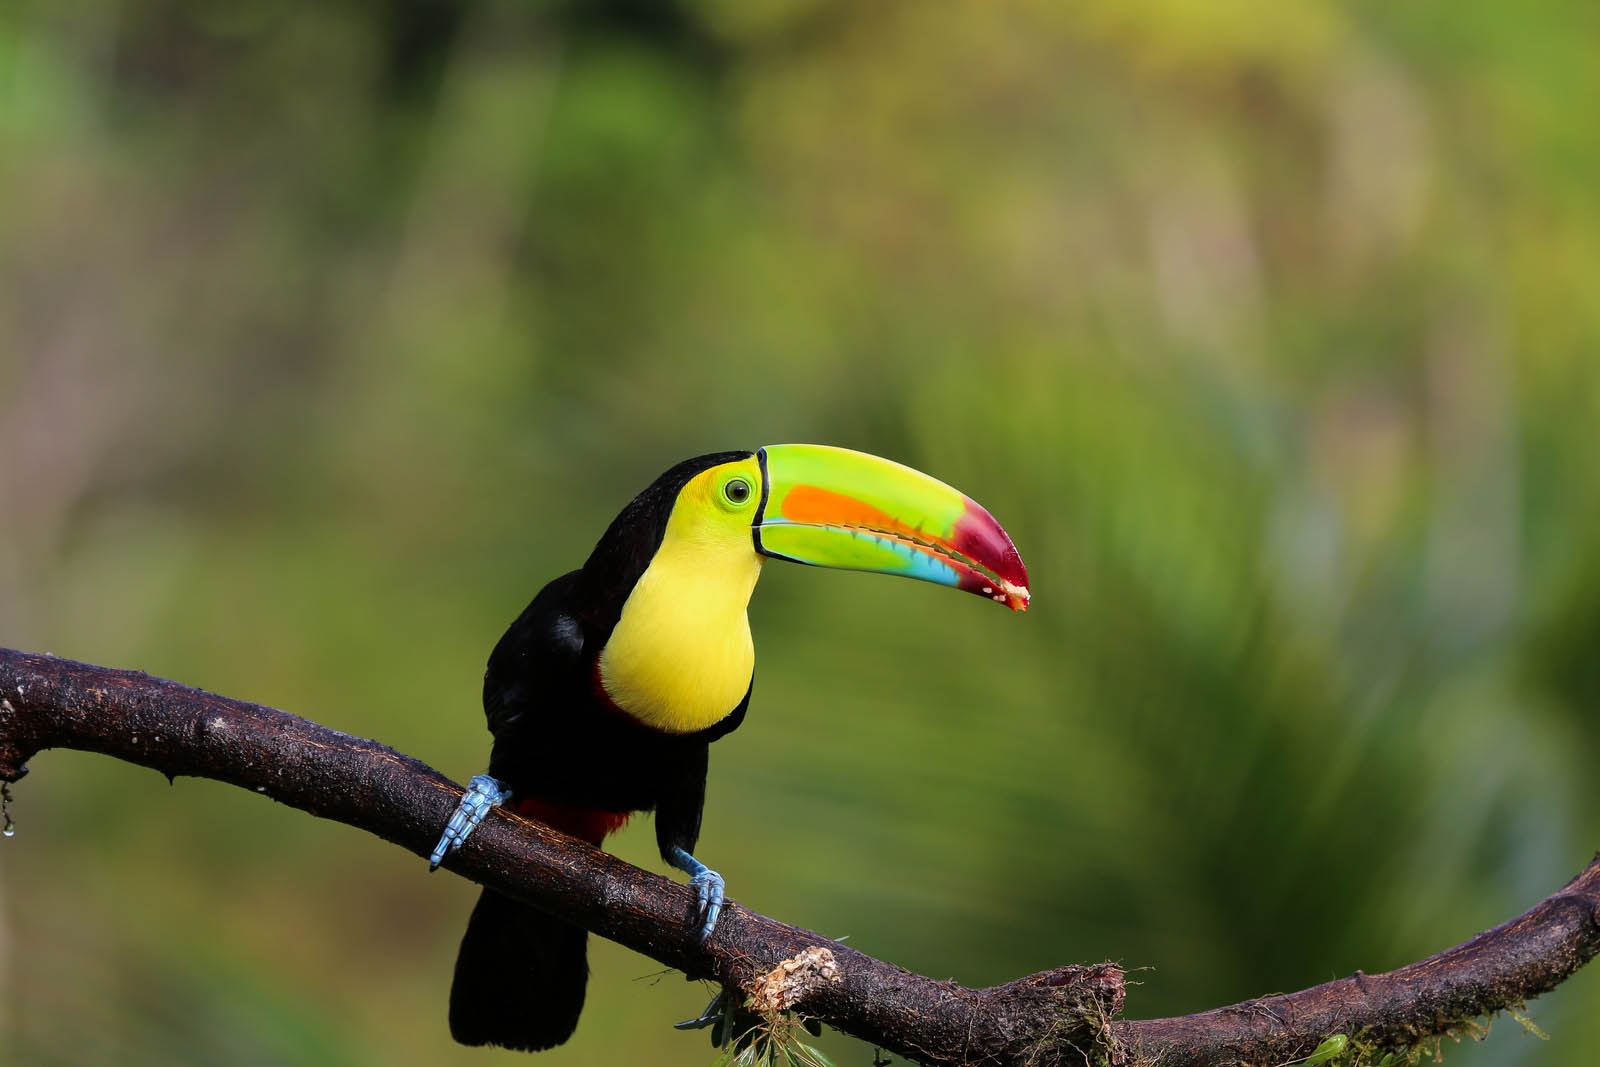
x,y
823,506
664,592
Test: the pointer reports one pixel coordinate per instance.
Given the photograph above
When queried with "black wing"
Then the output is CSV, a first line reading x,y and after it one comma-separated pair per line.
x,y
539,659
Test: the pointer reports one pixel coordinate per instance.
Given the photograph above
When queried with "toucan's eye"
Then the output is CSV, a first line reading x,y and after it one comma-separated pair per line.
x,y
737,491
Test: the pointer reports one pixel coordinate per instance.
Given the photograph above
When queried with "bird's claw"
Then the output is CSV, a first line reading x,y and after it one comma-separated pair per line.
x,y
709,889
483,793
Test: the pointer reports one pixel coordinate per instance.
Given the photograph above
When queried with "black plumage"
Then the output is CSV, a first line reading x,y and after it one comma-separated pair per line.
x,y
574,759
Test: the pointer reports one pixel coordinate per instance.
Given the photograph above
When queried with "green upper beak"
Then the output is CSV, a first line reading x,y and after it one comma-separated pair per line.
x,y
833,507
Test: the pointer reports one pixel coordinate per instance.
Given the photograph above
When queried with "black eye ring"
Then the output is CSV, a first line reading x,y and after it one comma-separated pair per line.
x,y
737,491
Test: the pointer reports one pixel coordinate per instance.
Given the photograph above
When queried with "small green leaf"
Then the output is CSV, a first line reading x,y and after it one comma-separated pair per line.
x,y
1331,1046
1528,1024
815,1055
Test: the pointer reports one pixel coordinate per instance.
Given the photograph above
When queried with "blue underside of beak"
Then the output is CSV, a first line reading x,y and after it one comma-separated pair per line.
x,y
851,548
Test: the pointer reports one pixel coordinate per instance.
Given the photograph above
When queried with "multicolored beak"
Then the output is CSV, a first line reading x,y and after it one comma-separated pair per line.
x,y
832,507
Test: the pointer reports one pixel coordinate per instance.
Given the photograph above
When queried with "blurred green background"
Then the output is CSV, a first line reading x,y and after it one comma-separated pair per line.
x,y
328,333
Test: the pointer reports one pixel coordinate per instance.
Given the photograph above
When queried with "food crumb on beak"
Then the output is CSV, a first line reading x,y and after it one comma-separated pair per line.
x,y
1012,595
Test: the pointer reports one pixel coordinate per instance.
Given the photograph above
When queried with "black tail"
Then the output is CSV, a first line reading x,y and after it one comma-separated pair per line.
x,y
520,977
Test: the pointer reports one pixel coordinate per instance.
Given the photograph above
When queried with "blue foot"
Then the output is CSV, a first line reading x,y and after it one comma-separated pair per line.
x,y
482,794
708,886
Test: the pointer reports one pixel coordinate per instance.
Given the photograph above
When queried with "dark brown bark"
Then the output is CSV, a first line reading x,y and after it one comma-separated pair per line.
x,y
1499,968
1060,1016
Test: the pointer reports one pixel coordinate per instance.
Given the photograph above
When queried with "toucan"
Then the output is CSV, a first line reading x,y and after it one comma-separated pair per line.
x,y
606,692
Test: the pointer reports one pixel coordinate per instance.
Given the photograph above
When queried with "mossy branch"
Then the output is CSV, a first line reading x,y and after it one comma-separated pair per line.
x,y
1059,1016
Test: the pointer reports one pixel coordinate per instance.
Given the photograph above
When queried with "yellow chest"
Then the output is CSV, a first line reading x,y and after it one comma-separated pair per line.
x,y
681,658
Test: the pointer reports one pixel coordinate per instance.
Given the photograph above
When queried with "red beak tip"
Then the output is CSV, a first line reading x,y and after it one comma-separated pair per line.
x,y
1016,596
1010,594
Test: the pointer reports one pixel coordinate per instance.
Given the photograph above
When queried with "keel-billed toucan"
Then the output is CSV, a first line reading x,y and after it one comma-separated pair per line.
x,y
605,693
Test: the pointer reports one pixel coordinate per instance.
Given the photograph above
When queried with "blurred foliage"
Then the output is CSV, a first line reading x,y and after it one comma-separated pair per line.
x,y
328,333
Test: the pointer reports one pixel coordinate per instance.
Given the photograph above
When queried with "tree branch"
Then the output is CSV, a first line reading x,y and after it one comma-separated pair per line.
x,y
1059,1016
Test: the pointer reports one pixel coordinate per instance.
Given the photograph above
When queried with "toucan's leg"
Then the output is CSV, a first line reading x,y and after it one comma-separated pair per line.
x,y
482,794
682,799
708,887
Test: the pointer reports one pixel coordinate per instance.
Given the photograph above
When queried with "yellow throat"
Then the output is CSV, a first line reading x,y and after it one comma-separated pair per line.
x,y
680,658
